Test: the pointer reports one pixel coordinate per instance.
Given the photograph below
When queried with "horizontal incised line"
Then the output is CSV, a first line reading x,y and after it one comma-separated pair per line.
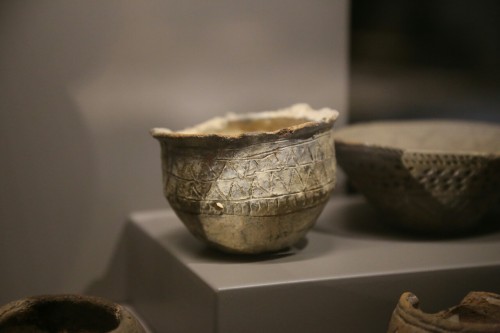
x,y
315,189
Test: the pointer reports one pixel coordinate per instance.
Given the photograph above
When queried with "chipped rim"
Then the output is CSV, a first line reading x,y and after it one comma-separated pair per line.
x,y
315,121
342,137
408,309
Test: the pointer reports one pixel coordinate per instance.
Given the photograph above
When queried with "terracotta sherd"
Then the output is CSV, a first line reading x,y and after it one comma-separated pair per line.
x,y
478,312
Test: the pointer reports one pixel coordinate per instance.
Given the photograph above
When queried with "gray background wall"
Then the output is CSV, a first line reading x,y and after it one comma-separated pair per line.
x,y
82,82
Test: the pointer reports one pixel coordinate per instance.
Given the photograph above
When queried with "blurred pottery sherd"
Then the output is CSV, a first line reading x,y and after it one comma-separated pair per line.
x,y
66,313
478,312
425,175
250,183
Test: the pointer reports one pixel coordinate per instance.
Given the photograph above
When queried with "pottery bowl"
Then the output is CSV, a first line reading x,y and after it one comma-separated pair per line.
x,y
66,313
431,176
250,183
478,312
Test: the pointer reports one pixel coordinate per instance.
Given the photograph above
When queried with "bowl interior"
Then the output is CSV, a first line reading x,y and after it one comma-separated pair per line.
x,y
297,119
436,136
236,127
63,315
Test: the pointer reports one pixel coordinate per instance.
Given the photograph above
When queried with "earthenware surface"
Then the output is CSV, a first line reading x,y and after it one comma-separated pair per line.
x,y
66,313
477,312
251,183
429,176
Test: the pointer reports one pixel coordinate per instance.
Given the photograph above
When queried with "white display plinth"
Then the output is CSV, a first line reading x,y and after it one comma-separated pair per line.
x,y
346,275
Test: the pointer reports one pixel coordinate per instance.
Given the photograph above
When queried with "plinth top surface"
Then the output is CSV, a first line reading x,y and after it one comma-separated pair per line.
x,y
348,241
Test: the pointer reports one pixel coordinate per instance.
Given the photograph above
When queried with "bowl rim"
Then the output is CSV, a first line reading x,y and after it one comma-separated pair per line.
x,y
408,306
340,139
315,120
